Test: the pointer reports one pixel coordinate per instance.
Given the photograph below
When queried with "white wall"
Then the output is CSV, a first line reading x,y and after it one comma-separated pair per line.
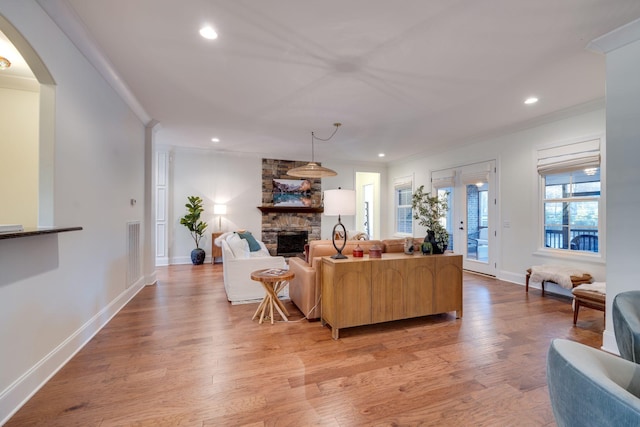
x,y
56,291
623,179
517,187
234,180
19,157
229,179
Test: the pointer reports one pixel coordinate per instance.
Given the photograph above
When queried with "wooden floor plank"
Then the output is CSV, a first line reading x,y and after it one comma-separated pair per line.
x,y
180,354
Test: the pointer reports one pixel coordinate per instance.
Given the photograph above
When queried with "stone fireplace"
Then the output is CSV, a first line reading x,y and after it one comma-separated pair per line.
x,y
291,243
277,220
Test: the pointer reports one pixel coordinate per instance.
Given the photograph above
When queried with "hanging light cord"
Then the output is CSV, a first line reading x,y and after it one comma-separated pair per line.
x,y
313,136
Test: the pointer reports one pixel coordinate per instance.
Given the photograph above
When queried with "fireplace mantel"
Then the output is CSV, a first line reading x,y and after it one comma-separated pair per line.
x,y
289,209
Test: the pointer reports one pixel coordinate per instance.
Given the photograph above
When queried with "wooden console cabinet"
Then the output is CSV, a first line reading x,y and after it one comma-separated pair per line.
x,y
363,291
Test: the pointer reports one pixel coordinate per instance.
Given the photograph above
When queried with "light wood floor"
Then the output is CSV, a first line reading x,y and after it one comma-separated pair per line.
x,y
180,354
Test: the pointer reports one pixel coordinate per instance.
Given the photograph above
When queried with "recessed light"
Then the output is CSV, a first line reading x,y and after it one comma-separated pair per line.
x,y
531,100
380,154
4,63
208,33
215,139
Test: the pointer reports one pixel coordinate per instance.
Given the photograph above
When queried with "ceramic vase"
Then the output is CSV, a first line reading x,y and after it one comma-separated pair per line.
x,y
197,256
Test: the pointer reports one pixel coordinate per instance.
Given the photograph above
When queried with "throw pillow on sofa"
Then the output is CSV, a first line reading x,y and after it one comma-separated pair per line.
x,y
253,243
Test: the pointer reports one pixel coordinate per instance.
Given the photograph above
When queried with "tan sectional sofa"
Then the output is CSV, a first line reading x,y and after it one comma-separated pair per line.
x,y
304,288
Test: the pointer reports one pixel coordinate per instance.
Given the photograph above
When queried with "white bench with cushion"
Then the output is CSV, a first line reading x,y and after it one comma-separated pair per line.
x,y
591,295
566,277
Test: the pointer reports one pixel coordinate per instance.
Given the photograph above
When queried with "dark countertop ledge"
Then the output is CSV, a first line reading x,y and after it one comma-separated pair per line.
x,y
36,232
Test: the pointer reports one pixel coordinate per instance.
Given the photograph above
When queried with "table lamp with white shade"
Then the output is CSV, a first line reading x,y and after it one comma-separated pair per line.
x,y
336,203
219,210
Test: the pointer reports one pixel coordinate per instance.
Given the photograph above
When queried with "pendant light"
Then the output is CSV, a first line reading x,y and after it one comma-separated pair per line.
x,y
312,169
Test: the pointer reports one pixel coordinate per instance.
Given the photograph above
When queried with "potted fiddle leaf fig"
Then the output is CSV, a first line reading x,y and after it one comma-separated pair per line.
x,y
428,210
196,227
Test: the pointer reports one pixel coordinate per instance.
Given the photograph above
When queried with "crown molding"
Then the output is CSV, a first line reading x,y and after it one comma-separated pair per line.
x,y
65,17
617,38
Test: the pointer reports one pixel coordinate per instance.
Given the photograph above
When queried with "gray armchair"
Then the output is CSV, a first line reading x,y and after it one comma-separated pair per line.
x,y
590,387
626,324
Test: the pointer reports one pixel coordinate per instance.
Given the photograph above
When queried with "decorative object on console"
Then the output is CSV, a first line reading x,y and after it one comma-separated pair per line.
x,y
427,248
408,245
336,203
429,210
312,169
358,252
375,251
196,227
219,210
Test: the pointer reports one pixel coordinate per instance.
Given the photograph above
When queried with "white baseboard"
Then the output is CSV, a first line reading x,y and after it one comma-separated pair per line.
x,y
186,260
609,342
22,389
509,276
176,260
151,279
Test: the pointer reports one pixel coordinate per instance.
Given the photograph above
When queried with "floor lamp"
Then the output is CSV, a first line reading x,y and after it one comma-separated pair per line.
x,y
219,210
336,203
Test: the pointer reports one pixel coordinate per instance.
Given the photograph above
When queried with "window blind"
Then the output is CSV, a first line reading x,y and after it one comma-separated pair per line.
x,y
443,179
569,157
474,177
476,173
403,181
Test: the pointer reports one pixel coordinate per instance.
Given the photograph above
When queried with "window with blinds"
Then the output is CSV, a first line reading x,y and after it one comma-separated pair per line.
x,y
403,190
571,189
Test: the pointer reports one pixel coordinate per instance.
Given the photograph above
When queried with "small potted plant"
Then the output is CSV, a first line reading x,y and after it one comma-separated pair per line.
x,y
428,210
196,227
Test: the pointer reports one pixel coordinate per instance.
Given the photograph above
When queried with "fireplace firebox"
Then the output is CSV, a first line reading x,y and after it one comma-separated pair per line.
x,y
291,243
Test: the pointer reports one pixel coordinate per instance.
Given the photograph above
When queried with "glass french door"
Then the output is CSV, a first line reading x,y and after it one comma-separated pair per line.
x,y
470,220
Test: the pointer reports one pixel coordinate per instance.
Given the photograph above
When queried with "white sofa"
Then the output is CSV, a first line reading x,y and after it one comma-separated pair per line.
x,y
238,262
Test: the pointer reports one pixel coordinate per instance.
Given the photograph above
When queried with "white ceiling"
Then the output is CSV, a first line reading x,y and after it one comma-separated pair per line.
x,y
403,77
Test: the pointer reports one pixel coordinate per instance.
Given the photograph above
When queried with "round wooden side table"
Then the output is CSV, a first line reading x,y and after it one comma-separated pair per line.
x,y
273,280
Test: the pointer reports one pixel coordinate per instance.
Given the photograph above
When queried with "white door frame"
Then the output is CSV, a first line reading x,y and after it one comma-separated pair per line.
x,y
462,176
